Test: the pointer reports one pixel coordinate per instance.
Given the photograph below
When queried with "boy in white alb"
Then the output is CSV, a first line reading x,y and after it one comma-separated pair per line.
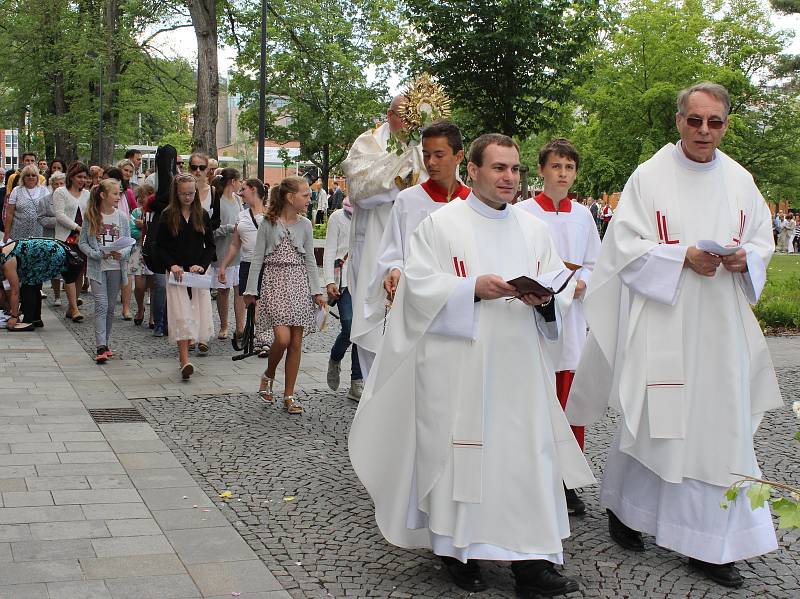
x,y
573,230
442,152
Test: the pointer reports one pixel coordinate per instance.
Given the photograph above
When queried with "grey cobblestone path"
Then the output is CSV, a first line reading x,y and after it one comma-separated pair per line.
x,y
298,504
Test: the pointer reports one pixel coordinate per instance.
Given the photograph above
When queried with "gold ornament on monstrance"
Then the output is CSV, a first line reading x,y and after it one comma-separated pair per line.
x,y
425,103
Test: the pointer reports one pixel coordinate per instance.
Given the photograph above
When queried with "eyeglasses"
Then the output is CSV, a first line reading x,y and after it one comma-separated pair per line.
x,y
179,163
198,167
695,122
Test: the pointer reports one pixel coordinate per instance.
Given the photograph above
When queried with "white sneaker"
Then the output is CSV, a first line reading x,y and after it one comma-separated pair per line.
x,y
57,302
356,388
334,370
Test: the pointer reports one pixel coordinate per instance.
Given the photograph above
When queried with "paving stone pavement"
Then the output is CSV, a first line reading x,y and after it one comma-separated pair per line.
x,y
297,503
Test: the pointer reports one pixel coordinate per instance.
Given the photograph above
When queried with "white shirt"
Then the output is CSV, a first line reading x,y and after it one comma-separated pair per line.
x,y
248,232
337,247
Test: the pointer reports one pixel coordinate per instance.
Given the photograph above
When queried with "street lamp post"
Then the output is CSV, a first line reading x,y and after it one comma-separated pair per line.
x,y
262,100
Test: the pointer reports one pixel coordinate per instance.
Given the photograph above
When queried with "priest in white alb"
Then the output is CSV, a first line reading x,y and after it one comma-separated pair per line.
x,y
574,232
459,437
380,163
442,152
674,346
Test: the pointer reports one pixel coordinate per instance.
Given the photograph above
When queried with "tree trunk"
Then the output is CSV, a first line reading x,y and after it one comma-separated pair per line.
x,y
204,20
111,71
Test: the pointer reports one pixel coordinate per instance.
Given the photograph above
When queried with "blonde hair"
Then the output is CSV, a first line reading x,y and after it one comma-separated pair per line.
x,y
125,162
31,169
93,216
279,194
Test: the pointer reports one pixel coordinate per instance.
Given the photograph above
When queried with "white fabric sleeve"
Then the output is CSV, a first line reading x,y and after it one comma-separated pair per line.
x,y
459,316
390,251
752,282
657,274
376,200
331,243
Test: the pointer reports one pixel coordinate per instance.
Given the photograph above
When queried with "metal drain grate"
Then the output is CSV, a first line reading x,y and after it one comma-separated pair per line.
x,y
103,416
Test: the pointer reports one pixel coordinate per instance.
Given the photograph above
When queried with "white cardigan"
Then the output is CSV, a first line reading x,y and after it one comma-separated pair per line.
x,y
65,207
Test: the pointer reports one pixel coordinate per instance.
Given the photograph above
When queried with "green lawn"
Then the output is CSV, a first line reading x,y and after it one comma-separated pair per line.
x,y
779,306
784,267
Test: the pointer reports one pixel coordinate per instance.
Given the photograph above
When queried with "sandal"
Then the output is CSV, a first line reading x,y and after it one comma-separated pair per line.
x,y
265,389
263,352
222,334
186,371
291,405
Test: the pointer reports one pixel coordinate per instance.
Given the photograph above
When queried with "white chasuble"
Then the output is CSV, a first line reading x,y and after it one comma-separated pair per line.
x,y
681,356
372,186
459,438
574,232
409,210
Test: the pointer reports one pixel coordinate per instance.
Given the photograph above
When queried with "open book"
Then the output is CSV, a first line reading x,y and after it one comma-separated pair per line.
x,y
549,283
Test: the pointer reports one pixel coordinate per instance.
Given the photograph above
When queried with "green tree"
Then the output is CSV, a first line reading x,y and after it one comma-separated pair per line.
x,y
317,83
509,63
627,106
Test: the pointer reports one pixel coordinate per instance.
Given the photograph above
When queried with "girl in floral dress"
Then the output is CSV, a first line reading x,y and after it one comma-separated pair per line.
x,y
289,283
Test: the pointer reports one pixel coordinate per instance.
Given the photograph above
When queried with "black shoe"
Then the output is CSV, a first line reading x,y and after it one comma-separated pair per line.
x,y
466,576
575,505
38,324
627,537
539,577
725,574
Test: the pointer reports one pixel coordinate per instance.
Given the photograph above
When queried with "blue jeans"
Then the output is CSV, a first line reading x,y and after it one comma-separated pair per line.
x,y
159,301
343,340
105,292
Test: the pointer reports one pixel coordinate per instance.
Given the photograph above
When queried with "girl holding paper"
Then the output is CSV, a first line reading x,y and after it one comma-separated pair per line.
x,y
107,266
185,242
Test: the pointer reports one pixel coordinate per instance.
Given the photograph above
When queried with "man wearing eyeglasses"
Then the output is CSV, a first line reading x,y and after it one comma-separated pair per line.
x,y
674,347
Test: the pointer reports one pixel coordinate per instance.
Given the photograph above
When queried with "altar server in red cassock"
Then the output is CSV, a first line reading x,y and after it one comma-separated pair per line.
x,y
573,230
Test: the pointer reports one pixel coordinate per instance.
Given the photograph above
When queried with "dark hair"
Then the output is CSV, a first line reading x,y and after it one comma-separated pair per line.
x,y
218,183
116,173
560,147
478,146
131,153
50,167
21,158
259,187
448,130
76,168
172,213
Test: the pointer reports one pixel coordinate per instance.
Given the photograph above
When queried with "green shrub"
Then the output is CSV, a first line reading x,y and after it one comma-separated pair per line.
x,y
320,231
779,305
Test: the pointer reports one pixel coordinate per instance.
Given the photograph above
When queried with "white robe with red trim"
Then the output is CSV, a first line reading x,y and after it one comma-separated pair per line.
x,y
574,232
681,356
410,208
459,437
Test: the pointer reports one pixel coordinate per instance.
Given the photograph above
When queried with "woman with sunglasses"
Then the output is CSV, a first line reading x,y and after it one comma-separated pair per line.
x,y
198,167
22,212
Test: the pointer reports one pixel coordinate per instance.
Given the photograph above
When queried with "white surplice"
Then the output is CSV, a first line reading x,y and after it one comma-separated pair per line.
x,y
410,208
681,356
372,173
574,232
459,438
